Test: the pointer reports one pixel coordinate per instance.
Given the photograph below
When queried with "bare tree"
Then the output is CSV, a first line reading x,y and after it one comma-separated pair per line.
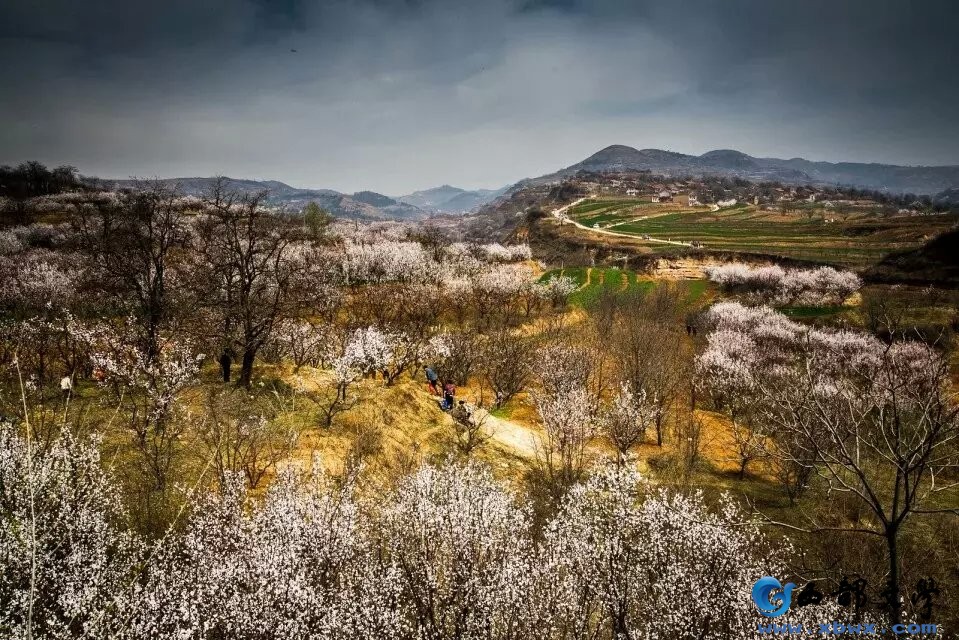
x,y
470,421
249,260
655,358
507,360
626,420
243,437
688,434
462,357
569,423
884,430
132,242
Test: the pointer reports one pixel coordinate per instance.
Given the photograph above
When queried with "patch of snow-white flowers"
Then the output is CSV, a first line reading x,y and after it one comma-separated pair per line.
x,y
557,289
776,285
449,553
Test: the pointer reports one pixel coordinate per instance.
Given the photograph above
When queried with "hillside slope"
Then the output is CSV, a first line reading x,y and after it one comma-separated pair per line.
x,y
936,262
731,163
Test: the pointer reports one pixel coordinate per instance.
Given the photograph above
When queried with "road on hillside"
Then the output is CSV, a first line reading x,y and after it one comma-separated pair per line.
x,y
559,214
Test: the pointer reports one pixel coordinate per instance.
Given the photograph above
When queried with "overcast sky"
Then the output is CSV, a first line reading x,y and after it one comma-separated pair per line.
x,y
401,95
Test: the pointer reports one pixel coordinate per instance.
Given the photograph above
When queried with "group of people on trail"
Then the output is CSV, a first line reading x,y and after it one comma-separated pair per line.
x,y
446,390
462,412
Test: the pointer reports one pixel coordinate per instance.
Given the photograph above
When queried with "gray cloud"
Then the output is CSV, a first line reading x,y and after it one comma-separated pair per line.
x,y
394,96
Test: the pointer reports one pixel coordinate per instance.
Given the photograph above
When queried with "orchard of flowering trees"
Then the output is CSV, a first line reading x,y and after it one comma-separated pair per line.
x,y
119,305
776,285
171,366
450,552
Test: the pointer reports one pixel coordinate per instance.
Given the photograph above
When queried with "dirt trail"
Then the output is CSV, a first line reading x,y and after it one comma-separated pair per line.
x,y
565,207
512,435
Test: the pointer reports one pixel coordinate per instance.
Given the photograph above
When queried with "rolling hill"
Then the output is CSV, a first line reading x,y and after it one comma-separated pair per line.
x,y
449,199
731,163
362,205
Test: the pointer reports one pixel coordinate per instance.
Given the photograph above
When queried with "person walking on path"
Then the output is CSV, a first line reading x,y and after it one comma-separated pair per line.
x,y
449,396
66,386
432,380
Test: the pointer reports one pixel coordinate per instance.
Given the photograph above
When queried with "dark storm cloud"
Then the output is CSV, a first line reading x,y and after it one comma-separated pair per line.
x,y
401,95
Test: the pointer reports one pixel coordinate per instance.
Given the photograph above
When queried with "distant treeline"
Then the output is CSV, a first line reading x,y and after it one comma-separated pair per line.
x,y
32,179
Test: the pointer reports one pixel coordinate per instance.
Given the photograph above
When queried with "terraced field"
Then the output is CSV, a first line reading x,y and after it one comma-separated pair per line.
x,y
613,212
858,240
593,281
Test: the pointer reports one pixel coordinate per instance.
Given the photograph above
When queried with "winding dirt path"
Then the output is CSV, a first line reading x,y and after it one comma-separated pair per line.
x,y
512,435
558,213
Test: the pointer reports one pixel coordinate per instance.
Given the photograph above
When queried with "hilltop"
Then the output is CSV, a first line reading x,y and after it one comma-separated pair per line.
x,y
736,164
449,199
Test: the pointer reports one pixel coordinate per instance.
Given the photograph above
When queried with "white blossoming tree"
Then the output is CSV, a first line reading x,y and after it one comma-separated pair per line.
x,y
460,548
626,560
874,421
63,560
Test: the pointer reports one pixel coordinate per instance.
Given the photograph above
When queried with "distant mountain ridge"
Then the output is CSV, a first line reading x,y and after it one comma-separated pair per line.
x,y
449,199
362,205
731,163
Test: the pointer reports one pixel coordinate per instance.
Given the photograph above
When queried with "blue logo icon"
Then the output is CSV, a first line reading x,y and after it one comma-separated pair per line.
x,y
763,594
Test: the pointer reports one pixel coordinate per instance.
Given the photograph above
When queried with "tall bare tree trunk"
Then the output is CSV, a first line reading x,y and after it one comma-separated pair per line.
x,y
246,368
892,548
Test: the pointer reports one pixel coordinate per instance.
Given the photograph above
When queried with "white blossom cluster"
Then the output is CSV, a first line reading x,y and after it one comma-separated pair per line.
x,y
41,234
386,261
449,553
495,252
71,201
751,346
64,564
558,288
460,268
506,280
369,233
370,349
39,278
117,358
492,252
10,243
439,347
303,342
776,285
647,563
